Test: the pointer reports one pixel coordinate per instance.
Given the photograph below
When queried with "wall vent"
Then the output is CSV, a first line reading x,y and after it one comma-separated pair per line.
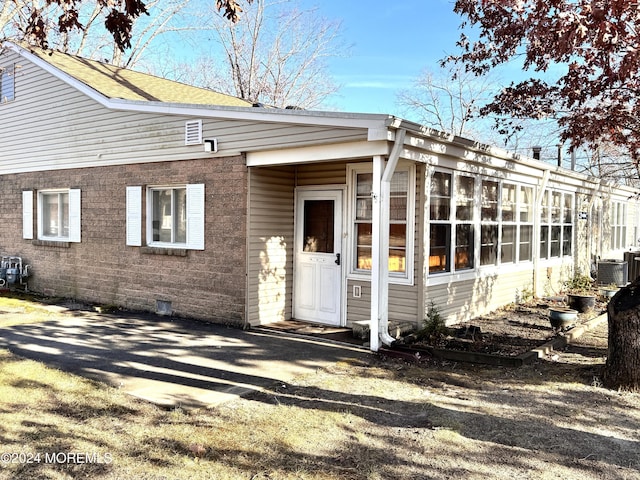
x,y
193,132
163,307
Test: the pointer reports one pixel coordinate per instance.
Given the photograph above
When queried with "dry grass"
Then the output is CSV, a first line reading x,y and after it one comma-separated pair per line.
x,y
17,309
381,420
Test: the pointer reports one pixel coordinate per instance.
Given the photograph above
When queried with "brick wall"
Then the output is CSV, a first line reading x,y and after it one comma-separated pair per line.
x,y
207,284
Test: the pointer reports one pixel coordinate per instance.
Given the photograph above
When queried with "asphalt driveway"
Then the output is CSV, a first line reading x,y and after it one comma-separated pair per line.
x,y
169,361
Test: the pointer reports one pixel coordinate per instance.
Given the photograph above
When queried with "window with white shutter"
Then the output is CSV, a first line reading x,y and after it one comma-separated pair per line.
x,y
175,216
59,215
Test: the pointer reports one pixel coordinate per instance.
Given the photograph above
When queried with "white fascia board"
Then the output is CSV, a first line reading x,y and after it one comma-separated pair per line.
x,y
336,151
261,114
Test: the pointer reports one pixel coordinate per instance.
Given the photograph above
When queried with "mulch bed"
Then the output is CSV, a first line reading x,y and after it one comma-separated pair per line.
x,y
510,331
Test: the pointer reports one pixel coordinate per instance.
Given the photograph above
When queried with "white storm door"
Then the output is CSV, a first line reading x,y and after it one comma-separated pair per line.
x,y
318,262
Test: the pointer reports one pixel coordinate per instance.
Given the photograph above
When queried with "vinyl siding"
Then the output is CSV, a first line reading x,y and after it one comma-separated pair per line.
x,y
67,129
331,173
403,303
461,301
270,244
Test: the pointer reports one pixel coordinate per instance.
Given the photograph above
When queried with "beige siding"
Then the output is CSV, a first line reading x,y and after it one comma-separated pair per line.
x,y
463,300
270,244
332,173
403,303
67,129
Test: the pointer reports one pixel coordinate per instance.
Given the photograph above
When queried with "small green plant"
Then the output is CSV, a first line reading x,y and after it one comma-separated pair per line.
x,y
433,326
524,295
579,284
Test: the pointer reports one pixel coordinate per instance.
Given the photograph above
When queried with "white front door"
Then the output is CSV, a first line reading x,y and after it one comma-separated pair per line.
x,y
318,262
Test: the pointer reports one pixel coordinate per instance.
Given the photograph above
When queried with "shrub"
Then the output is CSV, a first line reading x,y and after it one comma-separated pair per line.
x,y
433,326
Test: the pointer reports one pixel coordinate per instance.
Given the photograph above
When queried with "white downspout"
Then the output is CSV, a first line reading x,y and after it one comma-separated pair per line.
x,y
379,325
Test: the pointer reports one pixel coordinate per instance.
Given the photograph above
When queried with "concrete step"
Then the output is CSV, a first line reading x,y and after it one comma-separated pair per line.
x,y
396,329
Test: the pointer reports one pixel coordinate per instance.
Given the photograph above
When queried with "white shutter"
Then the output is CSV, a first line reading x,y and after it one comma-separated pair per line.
x,y
27,214
74,215
195,216
134,216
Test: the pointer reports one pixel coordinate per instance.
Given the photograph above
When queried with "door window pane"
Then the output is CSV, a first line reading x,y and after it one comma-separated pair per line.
x,y
555,241
567,239
568,208
555,207
544,241
318,226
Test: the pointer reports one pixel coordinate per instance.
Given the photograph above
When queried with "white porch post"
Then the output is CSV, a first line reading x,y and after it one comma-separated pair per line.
x,y
535,236
381,194
374,324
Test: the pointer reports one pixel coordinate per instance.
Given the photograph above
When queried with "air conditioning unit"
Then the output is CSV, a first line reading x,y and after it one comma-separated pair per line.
x,y
613,272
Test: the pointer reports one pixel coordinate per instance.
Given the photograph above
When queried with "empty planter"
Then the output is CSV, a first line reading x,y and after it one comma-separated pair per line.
x,y
581,303
561,317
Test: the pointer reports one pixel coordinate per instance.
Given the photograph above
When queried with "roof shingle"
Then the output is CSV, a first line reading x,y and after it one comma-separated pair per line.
x,y
118,82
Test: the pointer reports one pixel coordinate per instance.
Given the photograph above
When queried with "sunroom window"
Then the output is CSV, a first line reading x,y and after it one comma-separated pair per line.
x,y
556,224
489,227
399,227
440,226
478,222
618,225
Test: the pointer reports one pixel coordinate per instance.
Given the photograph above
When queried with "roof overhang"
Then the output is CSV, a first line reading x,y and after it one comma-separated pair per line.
x,y
375,123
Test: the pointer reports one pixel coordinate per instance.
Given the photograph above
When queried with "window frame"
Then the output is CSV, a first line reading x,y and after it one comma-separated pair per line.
x,y
555,223
7,76
72,215
195,212
619,224
488,219
354,273
172,222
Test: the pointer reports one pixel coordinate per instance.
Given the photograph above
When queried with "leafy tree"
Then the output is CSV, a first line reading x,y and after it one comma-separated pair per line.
x,y
119,17
594,45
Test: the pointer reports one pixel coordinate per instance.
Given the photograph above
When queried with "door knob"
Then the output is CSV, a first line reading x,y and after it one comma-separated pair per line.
x,y
337,259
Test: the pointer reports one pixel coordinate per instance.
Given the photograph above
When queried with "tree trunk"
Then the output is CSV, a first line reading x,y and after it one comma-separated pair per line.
x,y
622,370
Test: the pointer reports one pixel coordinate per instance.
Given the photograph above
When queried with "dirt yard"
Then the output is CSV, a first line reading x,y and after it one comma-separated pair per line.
x,y
509,331
379,419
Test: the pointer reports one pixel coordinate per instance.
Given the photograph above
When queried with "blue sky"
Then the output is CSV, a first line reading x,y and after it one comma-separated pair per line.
x,y
392,42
